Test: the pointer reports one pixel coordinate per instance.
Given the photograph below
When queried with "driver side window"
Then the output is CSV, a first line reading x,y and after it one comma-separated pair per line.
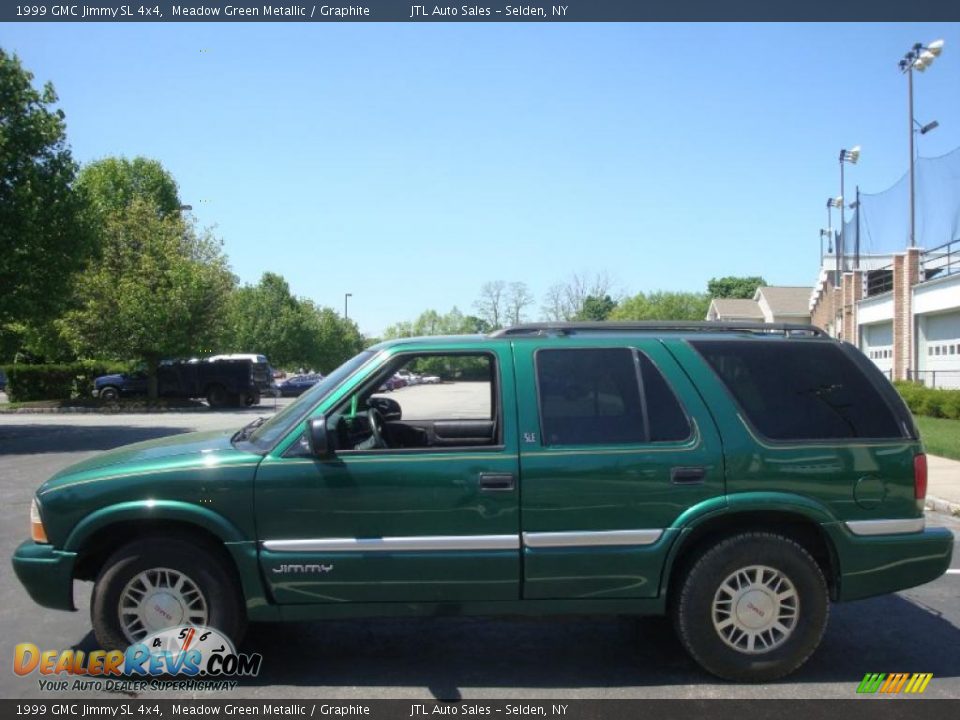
x,y
425,401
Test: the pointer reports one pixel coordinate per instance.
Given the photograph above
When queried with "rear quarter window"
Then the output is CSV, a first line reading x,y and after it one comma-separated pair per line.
x,y
800,391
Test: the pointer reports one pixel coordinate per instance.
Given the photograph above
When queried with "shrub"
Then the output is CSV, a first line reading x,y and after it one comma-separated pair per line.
x,y
26,383
934,402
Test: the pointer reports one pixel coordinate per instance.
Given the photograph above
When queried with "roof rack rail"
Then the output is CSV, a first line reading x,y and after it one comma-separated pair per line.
x,y
570,328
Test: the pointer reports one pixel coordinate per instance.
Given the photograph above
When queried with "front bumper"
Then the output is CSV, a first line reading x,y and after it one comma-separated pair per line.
x,y
46,573
880,564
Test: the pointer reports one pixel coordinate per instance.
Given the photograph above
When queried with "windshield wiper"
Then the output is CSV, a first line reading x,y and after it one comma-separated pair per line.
x,y
244,432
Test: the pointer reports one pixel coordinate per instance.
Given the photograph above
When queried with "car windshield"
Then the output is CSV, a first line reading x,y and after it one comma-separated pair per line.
x,y
281,423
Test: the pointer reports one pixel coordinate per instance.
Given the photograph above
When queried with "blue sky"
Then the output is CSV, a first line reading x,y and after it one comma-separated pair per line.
x,y
408,164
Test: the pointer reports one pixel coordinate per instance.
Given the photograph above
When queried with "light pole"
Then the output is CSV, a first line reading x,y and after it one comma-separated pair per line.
x,y
919,57
346,298
851,156
836,202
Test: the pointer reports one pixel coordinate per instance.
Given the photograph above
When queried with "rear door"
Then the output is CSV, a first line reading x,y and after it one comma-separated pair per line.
x,y
616,445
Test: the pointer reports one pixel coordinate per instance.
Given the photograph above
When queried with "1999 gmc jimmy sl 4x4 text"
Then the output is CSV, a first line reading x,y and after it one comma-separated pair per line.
x,y
736,477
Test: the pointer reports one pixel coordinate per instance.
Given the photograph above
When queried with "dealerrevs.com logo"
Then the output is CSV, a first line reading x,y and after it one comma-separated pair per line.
x,y
200,658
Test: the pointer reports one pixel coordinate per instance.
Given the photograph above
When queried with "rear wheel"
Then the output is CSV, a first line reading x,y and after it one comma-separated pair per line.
x,y
151,585
216,396
753,608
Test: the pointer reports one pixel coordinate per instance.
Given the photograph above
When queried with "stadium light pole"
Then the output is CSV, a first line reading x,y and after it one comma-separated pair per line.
x,y
346,298
836,202
851,156
919,57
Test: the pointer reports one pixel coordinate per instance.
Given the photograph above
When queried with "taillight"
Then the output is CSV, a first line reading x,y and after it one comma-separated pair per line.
x,y
920,476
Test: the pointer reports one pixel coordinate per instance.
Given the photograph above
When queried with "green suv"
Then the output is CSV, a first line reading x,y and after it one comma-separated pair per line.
x,y
735,477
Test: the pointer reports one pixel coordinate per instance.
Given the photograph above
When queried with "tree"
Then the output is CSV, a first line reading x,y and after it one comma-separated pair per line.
x,y
333,339
663,305
44,238
113,183
554,307
266,318
430,322
597,308
733,286
491,303
565,301
160,290
518,299
292,332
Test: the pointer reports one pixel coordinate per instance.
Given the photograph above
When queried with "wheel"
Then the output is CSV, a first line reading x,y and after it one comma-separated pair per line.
x,y
216,396
152,584
251,399
753,608
109,394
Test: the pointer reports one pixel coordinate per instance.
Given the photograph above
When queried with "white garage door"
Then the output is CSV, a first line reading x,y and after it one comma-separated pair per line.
x,y
877,343
939,349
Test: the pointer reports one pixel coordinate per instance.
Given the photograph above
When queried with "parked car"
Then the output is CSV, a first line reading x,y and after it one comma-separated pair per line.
x,y
3,381
298,384
431,380
736,477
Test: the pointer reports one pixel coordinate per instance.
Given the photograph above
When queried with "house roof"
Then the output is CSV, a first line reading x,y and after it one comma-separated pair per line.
x,y
785,300
732,308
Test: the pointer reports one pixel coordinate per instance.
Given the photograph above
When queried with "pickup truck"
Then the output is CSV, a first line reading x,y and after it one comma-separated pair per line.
x,y
220,383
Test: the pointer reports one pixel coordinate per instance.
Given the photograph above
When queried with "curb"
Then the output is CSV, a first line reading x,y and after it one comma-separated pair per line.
x,y
943,506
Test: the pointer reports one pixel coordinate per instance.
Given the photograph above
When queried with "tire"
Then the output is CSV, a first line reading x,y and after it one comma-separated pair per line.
x,y
216,396
220,597
109,394
251,399
719,640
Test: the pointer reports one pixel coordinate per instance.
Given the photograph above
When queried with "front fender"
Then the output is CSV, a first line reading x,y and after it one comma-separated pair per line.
x,y
242,549
152,510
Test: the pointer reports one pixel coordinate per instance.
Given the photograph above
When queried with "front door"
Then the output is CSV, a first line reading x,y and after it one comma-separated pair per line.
x,y
421,508
616,445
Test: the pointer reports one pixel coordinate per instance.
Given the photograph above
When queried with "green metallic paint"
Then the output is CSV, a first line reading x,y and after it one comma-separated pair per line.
x,y
395,493
46,573
608,487
244,498
876,565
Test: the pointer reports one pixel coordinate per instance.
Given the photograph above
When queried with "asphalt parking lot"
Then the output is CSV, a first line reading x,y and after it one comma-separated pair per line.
x,y
451,658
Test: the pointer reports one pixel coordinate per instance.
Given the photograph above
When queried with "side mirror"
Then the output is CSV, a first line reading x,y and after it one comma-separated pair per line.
x,y
317,437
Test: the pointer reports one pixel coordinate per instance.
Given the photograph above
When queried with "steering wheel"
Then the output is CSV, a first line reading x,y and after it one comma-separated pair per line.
x,y
375,420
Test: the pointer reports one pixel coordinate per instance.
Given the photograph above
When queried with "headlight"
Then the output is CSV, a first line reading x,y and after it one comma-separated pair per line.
x,y
36,524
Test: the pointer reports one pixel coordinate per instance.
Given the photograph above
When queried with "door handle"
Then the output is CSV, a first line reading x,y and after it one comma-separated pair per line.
x,y
497,482
687,475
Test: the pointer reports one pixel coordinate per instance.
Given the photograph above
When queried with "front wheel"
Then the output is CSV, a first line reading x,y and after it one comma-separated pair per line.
x,y
753,608
154,584
109,394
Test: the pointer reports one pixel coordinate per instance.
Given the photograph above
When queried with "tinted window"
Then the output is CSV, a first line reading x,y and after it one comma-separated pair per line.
x,y
666,418
800,391
593,396
589,397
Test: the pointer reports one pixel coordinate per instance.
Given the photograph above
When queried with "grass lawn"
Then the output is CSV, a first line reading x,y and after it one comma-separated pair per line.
x,y
940,436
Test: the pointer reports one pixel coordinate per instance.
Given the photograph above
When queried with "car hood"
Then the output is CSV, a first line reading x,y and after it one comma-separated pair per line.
x,y
175,451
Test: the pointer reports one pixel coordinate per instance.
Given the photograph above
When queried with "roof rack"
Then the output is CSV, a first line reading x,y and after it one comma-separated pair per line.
x,y
570,328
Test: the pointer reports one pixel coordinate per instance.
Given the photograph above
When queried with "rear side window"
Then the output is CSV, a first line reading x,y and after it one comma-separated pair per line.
x,y
800,391
594,397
